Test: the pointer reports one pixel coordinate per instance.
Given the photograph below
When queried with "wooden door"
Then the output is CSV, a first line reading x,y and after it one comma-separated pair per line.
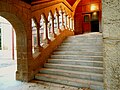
x,y
86,24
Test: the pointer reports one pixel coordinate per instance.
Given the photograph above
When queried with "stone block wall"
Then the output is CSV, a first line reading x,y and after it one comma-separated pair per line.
x,y
111,35
18,14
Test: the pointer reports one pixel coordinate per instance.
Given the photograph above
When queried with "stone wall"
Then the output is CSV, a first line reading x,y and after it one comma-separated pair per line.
x,y
18,14
111,34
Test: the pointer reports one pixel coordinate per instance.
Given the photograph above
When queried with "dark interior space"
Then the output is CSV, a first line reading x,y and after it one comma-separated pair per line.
x,y
95,26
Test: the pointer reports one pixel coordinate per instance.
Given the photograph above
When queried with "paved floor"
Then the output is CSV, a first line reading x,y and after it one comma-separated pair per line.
x,y
8,82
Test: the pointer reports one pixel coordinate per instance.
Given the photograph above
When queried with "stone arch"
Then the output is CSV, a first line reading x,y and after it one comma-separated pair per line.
x,y
23,37
44,17
35,20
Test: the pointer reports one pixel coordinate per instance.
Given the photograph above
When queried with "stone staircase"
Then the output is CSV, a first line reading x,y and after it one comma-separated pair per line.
x,y
77,62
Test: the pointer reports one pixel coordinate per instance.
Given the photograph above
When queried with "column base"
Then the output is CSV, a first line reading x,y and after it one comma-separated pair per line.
x,y
24,76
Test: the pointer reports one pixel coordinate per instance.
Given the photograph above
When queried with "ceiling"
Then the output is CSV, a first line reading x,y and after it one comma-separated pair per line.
x,y
71,2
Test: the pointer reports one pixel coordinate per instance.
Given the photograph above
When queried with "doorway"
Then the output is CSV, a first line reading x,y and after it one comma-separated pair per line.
x,y
95,22
95,26
7,40
90,22
8,53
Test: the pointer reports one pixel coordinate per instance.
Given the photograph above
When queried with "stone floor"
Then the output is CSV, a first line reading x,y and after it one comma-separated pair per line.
x,y
8,82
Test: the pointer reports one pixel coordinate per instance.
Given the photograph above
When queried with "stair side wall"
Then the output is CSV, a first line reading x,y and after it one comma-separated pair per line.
x,y
111,34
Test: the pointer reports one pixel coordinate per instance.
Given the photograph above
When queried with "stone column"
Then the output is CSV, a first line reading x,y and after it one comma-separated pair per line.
x,y
71,23
111,36
66,21
46,32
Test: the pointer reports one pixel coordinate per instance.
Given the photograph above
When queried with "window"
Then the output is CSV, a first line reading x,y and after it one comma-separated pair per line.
x,y
86,18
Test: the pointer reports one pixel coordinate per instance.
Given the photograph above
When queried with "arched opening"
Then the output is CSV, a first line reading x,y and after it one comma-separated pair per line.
x,y
34,35
42,31
56,22
8,52
7,40
50,28
21,45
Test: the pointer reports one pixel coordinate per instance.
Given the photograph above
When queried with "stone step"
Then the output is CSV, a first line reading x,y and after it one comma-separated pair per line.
x,y
84,40
81,47
73,74
87,36
81,37
71,81
80,44
77,57
78,53
76,62
75,68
